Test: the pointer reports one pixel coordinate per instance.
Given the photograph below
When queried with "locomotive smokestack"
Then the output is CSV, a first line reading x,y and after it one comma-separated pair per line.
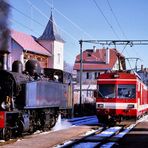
x,y
4,34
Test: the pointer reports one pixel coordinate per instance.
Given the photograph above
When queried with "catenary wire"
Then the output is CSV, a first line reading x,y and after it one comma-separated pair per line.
x,y
69,20
107,21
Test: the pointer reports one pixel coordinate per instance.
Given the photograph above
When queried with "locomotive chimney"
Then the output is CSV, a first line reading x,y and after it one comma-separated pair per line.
x,y
4,34
107,55
94,48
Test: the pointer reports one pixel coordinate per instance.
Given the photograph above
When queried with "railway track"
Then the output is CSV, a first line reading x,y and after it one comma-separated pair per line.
x,y
103,137
97,136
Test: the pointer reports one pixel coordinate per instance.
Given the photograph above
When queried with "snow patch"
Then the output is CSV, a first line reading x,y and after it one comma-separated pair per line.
x,y
61,124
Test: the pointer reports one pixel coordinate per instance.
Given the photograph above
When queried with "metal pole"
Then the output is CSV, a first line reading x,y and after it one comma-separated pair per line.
x,y
80,42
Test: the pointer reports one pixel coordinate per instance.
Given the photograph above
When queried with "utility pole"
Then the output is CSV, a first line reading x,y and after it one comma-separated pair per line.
x,y
80,42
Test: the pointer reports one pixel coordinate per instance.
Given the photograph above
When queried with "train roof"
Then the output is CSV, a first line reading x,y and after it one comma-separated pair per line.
x,y
118,74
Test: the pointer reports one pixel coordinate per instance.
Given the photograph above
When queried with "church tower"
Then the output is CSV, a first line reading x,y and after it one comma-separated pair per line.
x,y
52,41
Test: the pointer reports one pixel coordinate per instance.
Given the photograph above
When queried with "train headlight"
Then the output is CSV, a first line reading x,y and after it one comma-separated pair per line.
x,y
100,105
116,76
130,106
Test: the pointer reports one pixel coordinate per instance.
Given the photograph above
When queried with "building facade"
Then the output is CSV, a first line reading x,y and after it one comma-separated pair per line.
x,y
94,62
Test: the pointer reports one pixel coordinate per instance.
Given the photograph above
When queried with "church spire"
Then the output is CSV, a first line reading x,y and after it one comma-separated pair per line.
x,y
50,32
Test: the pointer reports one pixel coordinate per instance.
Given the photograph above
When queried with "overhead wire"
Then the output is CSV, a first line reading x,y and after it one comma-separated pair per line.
x,y
121,29
69,20
116,19
27,16
37,9
21,24
52,21
107,21
48,18
28,28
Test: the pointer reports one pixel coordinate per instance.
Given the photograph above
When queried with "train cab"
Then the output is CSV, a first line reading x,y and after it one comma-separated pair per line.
x,y
120,95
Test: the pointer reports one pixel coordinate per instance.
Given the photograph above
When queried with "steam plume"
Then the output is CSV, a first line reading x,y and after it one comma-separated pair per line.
x,y
4,30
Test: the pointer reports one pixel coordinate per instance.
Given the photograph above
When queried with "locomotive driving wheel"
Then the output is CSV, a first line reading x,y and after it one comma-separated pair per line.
x,y
6,133
52,121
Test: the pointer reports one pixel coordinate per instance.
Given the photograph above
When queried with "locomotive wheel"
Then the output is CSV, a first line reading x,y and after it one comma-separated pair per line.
x,y
52,121
20,128
7,133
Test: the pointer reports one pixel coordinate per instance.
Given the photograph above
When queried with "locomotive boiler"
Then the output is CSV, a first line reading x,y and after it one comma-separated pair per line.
x,y
31,100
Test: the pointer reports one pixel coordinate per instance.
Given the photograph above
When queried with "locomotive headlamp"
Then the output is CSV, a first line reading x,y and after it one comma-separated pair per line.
x,y
3,105
116,76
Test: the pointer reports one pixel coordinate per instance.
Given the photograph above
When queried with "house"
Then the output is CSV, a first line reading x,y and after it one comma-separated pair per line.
x,y
94,62
47,49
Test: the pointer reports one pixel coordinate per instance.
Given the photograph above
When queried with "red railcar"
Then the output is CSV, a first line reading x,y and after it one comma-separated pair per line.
x,y
120,95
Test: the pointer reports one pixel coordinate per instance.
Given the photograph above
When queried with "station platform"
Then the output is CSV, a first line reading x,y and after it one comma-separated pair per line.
x,y
136,138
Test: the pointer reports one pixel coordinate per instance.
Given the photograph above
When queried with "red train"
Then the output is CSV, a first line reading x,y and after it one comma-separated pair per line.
x,y
120,95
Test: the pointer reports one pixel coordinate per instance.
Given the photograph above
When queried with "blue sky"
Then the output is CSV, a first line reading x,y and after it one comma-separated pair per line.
x,y
81,19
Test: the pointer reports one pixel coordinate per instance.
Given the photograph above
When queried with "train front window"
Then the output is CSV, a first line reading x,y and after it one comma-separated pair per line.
x,y
106,91
126,91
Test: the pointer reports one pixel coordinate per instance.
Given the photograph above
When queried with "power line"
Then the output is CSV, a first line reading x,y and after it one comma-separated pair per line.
x,y
121,29
116,19
27,16
48,18
21,24
28,28
105,19
74,24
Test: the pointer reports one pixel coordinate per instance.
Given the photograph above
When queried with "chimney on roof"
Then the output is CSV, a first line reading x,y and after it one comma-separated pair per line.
x,y
94,48
107,56
142,68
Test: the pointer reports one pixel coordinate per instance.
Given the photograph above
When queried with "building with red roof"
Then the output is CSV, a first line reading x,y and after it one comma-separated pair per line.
x,y
47,49
94,62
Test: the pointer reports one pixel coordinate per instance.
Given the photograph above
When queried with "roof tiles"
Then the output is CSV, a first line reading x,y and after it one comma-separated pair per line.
x,y
95,60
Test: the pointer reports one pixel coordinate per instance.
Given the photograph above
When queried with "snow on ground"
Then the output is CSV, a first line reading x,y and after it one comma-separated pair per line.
x,y
61,124
109,132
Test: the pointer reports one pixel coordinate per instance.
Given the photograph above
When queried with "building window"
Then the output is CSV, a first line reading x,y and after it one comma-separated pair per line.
x,y
89,54
89,93
87,75
96,75
59,58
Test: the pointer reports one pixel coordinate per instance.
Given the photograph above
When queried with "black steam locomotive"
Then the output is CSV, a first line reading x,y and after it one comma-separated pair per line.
x,y
31,100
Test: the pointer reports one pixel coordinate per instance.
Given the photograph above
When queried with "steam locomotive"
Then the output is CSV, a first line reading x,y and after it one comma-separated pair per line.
x,y
120,95
30,100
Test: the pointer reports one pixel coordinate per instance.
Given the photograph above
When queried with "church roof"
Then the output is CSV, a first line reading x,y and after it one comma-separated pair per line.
x,y
50,32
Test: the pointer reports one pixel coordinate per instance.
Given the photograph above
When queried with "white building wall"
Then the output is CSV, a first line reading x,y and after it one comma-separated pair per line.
x,y
87,93
58,55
